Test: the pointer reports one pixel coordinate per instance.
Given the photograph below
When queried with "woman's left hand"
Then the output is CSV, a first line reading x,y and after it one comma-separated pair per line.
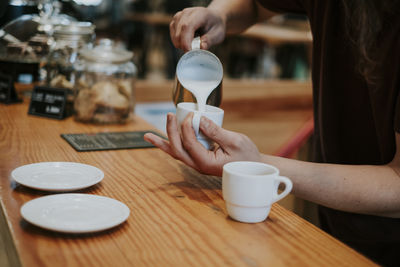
x,y
230,146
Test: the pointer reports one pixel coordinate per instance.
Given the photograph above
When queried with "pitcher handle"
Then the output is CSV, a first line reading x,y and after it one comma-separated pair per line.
x,y
196,43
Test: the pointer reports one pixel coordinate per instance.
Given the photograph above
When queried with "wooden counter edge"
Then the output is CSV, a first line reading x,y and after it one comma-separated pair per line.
x,y
7,242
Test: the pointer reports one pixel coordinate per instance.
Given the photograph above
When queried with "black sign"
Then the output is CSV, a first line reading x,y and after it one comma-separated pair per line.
x,y
108,140
48,102
7,90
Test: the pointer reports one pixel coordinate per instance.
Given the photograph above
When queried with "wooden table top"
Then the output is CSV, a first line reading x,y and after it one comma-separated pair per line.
x,y
178,217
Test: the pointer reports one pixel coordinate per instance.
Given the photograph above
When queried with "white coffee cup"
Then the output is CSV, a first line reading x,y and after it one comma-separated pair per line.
x,y
213,113
250,188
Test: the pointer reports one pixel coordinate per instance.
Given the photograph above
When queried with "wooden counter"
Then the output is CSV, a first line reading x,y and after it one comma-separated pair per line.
x,y
178,217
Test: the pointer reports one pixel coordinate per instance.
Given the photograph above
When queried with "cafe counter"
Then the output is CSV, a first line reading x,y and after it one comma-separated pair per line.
x,y
177,216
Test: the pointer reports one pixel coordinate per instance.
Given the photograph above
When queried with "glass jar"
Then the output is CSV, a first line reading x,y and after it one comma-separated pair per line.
x,y
69,39
25,43
24,48
105,85
58,71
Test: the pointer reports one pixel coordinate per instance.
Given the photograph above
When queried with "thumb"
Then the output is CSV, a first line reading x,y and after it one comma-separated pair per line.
x,y
210,39
214,132
213,32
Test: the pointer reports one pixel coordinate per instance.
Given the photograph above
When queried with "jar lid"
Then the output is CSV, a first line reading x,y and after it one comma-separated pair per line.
x,y
107,53
75,28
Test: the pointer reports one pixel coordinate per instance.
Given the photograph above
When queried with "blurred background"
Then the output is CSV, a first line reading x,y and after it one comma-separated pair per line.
x,y
267,89
142,27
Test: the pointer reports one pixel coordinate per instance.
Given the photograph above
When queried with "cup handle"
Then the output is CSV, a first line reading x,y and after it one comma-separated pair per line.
x,y
196,122
196,43
288,187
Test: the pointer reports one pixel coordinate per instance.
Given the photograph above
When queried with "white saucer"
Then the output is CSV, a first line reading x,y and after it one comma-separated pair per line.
x,y
75,213
57,176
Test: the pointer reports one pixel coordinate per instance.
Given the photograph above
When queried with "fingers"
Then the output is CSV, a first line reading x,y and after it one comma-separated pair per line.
x,y
206,161
175,142
173,135
210,38
158,142
222,137
173,147
236,146
183,27
187,149
190,142
214,31
186,22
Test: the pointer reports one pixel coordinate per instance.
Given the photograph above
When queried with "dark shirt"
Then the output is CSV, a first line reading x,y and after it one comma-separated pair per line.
x,y
355,121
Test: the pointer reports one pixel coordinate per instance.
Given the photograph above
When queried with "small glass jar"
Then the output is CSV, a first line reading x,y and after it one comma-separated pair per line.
x,y
58,72
69,40
105,85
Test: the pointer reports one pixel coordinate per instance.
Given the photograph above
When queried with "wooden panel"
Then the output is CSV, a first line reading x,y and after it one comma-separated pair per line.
x,y
286,91
279,34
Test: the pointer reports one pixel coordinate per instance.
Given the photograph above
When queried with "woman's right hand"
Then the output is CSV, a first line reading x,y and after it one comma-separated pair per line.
x,y
208,23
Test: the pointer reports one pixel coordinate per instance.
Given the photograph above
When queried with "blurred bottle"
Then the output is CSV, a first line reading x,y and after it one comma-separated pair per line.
x,y
10,10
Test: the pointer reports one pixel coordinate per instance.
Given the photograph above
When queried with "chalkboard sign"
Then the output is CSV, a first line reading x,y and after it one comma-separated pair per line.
x,y
7,90
108,140
48,102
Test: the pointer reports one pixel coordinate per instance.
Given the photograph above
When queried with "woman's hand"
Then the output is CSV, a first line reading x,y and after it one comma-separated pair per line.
x,y
230,146
209,24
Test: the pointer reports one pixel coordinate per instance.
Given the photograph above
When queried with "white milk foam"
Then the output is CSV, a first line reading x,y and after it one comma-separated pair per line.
x,y
200,76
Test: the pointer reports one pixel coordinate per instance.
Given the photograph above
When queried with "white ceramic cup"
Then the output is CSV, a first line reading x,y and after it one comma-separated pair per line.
x,y
213,113
250,188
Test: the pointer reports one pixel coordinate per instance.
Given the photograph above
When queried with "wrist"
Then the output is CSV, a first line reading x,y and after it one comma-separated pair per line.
x,y
219,11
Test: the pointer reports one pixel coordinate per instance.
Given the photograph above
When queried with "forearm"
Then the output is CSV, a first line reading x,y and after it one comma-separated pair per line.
x,y
239,14
365,189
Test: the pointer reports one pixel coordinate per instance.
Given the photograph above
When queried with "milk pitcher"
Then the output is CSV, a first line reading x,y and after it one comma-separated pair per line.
x,y
187,72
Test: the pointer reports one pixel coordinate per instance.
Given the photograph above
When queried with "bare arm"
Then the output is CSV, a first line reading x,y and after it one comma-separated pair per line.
x,y
238,15
366,189
213,22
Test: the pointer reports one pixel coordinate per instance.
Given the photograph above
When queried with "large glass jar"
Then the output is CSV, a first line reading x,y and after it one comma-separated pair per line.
x,y
105,85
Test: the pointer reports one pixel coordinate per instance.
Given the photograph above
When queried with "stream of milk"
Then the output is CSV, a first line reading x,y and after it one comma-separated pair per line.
x,y
200,80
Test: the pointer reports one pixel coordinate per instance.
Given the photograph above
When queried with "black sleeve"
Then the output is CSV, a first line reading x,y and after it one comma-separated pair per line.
x,y
397,114
284,6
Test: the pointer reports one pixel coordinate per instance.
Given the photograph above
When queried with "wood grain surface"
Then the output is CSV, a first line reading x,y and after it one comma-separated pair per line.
x,y
178,217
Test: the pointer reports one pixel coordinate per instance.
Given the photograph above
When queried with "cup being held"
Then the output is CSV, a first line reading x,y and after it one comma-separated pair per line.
x,y
250,188
213,113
